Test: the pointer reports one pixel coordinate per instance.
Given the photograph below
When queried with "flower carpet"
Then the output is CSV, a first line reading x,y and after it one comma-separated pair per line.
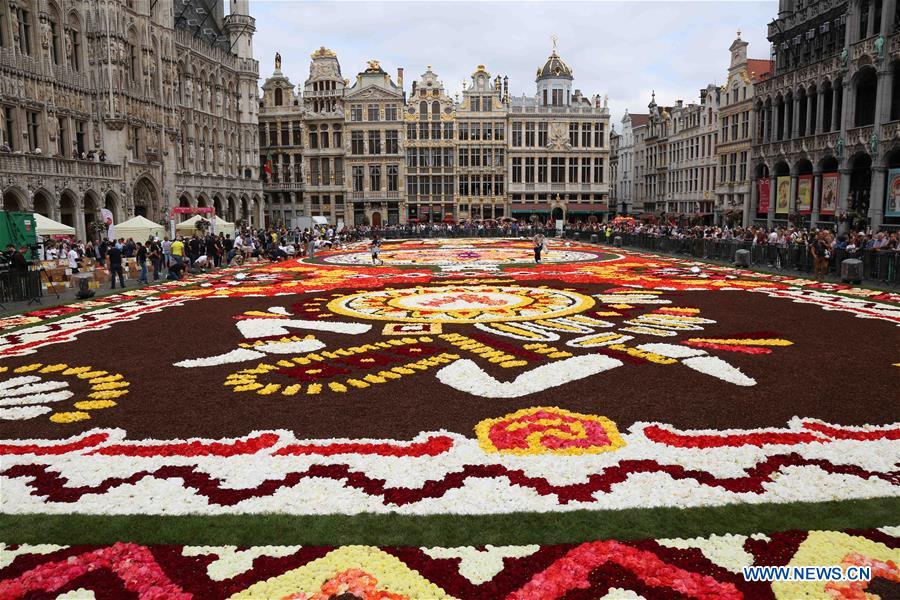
x,y
457,423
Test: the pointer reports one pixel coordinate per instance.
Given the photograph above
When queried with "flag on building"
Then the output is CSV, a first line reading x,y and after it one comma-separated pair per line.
x,y
268,167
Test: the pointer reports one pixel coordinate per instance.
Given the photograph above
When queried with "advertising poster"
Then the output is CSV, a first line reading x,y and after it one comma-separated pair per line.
x,y
804,194
782,195
828,204
764,194
892,207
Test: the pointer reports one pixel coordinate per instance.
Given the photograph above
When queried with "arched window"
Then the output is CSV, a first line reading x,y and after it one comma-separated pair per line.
x,y
866,84
73,41
278,97
435,111
423,110
53,28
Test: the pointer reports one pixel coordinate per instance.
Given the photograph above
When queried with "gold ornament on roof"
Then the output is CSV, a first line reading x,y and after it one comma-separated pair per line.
x,y
323,52
374,65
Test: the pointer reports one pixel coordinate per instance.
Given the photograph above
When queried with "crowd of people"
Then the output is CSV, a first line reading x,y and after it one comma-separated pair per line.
x,y
173,257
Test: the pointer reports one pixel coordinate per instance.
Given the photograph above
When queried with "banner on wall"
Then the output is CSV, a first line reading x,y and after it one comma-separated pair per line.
x,y
804,194
107,217
763,194
892,205
782,195
828,203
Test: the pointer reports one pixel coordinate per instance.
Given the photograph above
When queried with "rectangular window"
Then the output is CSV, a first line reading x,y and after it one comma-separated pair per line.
x,y
61,136
745,125
573,134
529,135
24,18
475,101
375,178
487,104
557,170
743,167
542,170
33,130
517,170
262,136
356,112
463,129
374,142
80,136
517,134
313,137
586,135
475,132
529,170
448,131
75,56
357,179
390,112
298,168
542,135
723,167
298,138
372,112
598,135
732,171
314,171
411,132
435,131
392,142
285,135
393,178
557,97
586,169
476,157
356,142
487,132
326,174
338,137
573,170
598,170
463,157
499,132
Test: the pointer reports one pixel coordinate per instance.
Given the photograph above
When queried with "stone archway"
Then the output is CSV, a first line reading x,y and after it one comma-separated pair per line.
x,y
111,203
14,199
67,208
146,199
43,203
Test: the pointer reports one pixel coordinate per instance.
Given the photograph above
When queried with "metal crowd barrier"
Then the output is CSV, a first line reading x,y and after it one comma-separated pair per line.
x,y
878,266
17,286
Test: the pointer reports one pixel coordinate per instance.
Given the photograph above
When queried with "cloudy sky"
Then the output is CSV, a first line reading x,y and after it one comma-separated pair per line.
x,y
620,49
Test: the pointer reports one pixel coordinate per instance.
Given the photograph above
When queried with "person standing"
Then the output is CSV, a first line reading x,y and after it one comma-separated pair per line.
x,y
177,249
140,254
538,241
114,254
167,252
155,257
376,250
72,255
820,255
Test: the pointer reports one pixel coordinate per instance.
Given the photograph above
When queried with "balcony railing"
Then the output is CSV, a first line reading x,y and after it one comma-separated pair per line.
x,y
27,164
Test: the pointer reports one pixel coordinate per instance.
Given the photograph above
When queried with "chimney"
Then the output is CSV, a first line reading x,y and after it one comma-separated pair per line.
x,y
703,93
505,88
400,77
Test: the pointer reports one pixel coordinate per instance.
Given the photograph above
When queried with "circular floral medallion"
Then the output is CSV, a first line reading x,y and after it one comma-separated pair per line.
x,y
462,256
461,304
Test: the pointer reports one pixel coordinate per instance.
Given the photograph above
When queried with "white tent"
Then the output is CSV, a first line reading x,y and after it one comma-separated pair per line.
x,y
219,225
139,229
45,226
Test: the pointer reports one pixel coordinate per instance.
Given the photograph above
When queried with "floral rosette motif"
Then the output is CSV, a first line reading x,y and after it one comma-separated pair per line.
x,y
548,430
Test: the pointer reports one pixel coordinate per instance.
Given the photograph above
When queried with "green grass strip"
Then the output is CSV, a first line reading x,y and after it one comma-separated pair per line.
x,y
448,530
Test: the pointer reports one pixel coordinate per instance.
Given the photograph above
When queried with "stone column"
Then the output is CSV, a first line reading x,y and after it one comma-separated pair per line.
x,y
795,118
820,112
843,193
816,197
876,197
883,96
80,230
888,8
792,200
870,26
750,207
773,188
848,104
777,109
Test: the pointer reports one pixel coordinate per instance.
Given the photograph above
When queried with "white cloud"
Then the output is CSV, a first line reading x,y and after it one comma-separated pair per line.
x,y
623,49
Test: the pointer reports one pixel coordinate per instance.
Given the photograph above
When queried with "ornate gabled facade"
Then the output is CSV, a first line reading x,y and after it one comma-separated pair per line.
x,y
735,134
324,138
559,148
281,148
656,156
171,105
430,117
826,130
373,139
481,148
